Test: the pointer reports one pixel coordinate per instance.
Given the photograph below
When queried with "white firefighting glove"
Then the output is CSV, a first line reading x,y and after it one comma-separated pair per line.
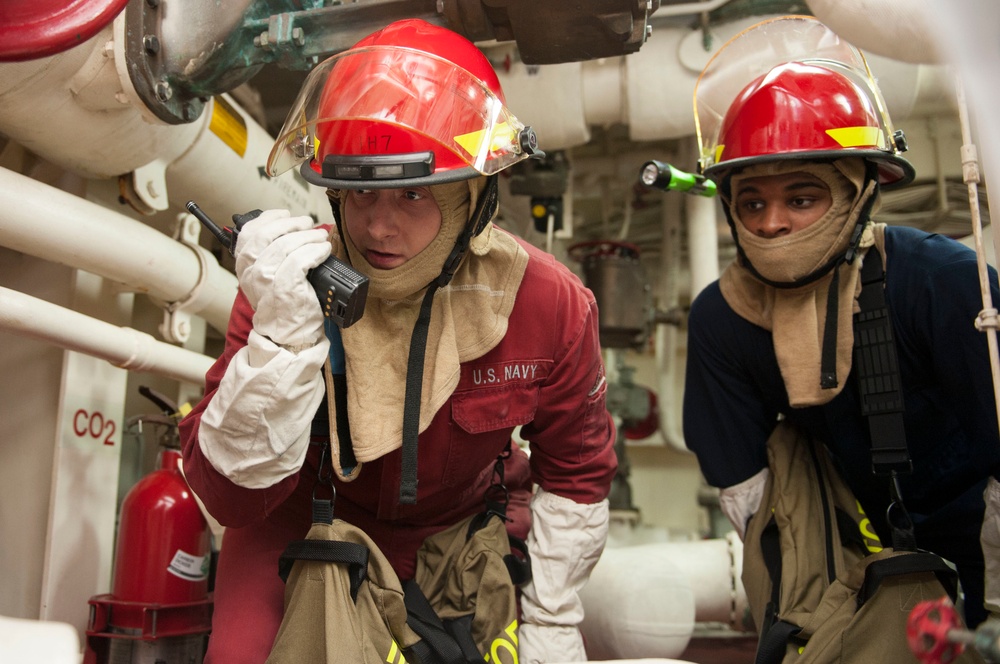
x,y
255,430
274,252
741,501
990,540
565,542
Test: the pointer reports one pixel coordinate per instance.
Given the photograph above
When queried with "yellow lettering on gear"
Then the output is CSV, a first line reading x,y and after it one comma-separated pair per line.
x,y
506,642
872,542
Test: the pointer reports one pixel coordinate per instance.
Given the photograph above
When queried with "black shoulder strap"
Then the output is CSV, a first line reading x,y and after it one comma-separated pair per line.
x,y
878,371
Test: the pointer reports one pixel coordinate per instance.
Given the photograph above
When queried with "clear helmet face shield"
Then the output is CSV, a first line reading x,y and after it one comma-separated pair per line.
x,y
752,78
388,116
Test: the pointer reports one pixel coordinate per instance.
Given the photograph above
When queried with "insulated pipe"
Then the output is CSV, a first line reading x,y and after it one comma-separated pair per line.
x,y
899,30
644,600
96,125
703,241
668,362
651,90
123,347
703,267
714,568
636,604
46,222
91,123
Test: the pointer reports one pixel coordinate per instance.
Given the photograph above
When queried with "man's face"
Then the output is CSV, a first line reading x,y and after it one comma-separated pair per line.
x,y
771,206
391,226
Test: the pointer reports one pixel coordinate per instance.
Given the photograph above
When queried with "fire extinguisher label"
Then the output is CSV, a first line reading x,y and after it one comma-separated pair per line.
x,y
188,567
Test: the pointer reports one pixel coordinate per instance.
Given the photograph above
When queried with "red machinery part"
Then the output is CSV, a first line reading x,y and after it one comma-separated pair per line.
x,y
38,28
600,248
647,426
928,631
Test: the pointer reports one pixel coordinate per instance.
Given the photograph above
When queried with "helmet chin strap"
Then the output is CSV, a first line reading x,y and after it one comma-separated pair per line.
x,y
828,359
486,208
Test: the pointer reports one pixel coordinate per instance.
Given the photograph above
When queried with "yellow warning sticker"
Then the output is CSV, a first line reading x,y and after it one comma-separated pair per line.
x,y
229,125
853,137
502,136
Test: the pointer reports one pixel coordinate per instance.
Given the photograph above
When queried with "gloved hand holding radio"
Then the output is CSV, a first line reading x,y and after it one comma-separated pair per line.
x,y
255,430
565,542
274,253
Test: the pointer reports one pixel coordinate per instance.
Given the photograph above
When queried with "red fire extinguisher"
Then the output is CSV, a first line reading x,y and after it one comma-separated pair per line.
x,y
160,606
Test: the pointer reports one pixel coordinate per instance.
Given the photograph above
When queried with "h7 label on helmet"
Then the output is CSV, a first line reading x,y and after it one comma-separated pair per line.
x,y
374,143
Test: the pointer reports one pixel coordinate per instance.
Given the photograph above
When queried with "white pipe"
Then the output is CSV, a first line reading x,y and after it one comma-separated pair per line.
x,y
987,320
899,30
123,347
703,267
43,221
96,125
703,241
651,90
74,110
668,362
714,568
644,600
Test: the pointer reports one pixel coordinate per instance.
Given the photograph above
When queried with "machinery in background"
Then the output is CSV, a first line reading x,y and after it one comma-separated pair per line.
x,y
626,317
612,271
180,56
160,606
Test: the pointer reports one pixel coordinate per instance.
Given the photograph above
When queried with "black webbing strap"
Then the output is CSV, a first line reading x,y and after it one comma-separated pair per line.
x,y
774,633
355,556
438,645
828,357
773,643
347,459
486,208
411,400
878,372
911,563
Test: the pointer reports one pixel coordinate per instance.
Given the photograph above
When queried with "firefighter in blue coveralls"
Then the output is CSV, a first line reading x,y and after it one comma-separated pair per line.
x,y
800,154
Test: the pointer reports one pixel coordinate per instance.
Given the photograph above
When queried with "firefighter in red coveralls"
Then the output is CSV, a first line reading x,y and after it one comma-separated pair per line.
x,y
407,131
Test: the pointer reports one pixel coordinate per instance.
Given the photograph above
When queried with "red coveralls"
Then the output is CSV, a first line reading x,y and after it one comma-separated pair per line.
x,y
546,374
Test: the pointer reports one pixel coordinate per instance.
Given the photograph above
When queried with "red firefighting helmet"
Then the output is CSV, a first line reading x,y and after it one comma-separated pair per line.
x,y
409,105
816,99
